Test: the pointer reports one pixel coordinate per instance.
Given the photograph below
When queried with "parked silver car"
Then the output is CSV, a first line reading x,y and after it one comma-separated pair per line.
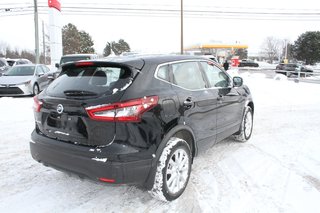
x,y
27,79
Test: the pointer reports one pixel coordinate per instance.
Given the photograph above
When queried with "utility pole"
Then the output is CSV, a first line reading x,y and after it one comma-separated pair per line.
x,y
44,43
286,51
36,29
181,19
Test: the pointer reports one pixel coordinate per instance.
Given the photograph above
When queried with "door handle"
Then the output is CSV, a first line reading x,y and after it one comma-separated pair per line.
x,y
188,103
220,98
232,94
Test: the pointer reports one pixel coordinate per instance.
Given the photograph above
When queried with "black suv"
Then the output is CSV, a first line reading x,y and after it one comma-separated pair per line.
x,y
138,120
248,63
294,69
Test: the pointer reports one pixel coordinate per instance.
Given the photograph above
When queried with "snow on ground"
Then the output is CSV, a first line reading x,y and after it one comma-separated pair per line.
x,y
278,170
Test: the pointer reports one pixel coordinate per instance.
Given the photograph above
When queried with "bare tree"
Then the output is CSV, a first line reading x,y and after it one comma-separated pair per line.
x,y
272,48
3,48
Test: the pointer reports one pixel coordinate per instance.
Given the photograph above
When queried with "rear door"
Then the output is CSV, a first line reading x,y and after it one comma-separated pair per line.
x,y
79,89
197,104
39,76
42,77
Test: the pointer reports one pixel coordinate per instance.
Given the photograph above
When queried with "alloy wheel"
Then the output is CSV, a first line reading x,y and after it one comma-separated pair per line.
x,y
177,171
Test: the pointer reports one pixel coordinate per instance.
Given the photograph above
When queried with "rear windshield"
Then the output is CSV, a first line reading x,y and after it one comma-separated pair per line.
x,y
89,81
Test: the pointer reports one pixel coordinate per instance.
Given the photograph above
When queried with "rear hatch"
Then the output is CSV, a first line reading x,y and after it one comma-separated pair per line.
x,y
62,110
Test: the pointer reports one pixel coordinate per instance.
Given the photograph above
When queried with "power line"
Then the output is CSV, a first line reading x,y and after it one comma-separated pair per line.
x,y
131,5
128,7
220,14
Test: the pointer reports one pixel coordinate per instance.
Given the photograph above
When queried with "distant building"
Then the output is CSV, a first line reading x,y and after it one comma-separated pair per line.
x,y
220,51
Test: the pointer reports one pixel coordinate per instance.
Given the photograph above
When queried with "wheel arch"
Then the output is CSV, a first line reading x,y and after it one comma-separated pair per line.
x,y
251,105
187,135
180,131
35,84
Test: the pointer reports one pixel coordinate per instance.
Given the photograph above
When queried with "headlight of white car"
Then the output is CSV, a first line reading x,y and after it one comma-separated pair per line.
x,y
24,83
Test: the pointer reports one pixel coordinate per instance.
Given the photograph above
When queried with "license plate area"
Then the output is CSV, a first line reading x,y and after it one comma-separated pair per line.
x,y
58,121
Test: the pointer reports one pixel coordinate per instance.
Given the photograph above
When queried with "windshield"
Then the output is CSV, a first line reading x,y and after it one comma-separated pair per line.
x,y
21,71
73,58
89,81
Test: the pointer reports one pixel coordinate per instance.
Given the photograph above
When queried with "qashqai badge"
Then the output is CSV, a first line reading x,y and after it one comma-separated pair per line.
x,y
59,108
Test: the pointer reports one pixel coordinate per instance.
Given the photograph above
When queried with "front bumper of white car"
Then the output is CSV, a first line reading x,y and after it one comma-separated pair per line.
x,y
16,89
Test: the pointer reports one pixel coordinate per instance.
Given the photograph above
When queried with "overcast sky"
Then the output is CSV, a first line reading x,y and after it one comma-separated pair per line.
x,y
156,29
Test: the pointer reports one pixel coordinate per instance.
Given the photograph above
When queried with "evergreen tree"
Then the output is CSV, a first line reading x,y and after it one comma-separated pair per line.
x,y
107,49
117,47
123,46
86,43
70,39
75,41
307,47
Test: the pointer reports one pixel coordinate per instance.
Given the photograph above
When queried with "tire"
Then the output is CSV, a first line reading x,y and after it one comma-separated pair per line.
x,y
288,74
246,126
173,170
35,89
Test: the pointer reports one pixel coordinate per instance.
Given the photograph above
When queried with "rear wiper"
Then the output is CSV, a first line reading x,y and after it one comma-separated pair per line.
x,y
79,93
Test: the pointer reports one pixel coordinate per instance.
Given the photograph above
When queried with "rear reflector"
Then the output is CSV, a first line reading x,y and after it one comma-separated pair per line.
x,y
107,180
129,111
36,104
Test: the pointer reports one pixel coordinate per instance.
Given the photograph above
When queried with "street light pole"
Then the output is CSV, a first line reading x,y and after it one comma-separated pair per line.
x,y
181,17
43,43
36,29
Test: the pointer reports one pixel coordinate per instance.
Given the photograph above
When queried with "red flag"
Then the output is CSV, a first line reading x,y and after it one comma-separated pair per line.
x,y
55,4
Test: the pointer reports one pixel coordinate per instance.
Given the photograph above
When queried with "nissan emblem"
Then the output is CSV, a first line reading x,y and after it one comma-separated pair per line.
x,y
59,108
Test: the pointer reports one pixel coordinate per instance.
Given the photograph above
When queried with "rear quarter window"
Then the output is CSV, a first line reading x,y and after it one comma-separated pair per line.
x,y
163,72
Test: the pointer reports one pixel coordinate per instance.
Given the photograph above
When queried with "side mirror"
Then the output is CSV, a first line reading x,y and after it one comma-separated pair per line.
x,y
237,81
57,65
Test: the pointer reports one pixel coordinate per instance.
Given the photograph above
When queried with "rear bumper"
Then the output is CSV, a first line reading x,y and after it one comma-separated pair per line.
x,y
113,163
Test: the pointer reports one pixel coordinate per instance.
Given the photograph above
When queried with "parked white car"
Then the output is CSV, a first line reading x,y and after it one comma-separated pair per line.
x,y
27,79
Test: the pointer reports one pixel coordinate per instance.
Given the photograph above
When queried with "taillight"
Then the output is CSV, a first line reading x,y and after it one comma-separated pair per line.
x,y
36,104
129,111
107,180
84,63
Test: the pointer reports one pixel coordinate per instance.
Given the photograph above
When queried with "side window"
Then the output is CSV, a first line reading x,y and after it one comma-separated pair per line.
x,y
45,69
216,77
39,70
188,75
163,72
